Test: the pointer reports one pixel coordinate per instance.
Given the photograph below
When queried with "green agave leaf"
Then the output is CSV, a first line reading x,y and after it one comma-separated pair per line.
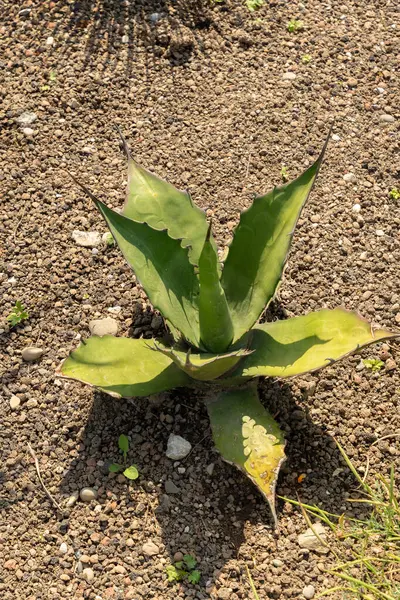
x,y
216,329
162,267
203,366
123,367
247,436
158,203
257,255
307,343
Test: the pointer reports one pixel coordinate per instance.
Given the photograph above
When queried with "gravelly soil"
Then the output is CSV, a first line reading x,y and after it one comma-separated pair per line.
x,y
202,97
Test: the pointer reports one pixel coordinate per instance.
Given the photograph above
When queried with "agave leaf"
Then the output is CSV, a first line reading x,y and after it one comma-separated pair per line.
x,y
204,366
307,343
162,267
158,203
123,367
247,436
216,329
258,252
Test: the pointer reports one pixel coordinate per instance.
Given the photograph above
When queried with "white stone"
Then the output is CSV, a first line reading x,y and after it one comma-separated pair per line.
x,y
50,41
150,549
88,494
125,39
27,118
309,540
380,232
88,574
380,90
72,499
309,592
387,119
28,132
289,76
87,239
100,327
350,178
336,137
31,353
356,208
63,549
177,447
14,402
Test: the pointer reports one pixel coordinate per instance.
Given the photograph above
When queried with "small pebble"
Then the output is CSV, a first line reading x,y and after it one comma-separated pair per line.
x,y
27,118
25,12
14,402
289,76
277,562
210,469
28,132
350,178
390,364
309,540
88,494
125,39
100,327
309,592
380,232
31,353
356,208
87,239
336,137
88,574
170,487
177,447
72,499
178,556
387,119
63,549
50,41
150,549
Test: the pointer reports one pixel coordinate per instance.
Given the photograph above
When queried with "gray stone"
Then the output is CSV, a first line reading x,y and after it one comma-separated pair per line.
x,y
289,76
177,447
14,402
309,540
210,469
309,592
150,549
387,119
88,494
170,487
350,178
87,239
277,562
31,353
24,12
88,574
155,17
26,118
107,326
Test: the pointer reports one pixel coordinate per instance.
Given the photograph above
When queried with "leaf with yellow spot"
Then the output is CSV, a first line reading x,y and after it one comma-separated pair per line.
x,y
247,436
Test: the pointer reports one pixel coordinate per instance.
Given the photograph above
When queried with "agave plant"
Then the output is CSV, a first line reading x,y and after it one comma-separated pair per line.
x,y
212,312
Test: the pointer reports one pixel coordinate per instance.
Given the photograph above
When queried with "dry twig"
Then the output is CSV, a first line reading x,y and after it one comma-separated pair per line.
x,y
32,453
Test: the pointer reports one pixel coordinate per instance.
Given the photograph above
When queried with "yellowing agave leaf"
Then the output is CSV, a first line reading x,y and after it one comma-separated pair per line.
x,y
247,436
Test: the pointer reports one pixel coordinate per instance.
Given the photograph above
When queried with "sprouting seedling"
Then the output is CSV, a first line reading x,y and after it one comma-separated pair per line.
x,y
18,314
129,472
284,173
184,569
306,58
373,363
394,194
295,25
108,239
254,5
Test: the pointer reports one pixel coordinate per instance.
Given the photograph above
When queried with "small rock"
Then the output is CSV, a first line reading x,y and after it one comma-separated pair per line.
x,y
210,469
380,90
14,402
72,500
63,549
10,564
178,556
88,150
88,574
24,12
27,118
170,487
336,137
309,592
309,540
289,76
277,562
88,494
125,39
366,295
87,239
100,327
150,549
390,364
387,119
50,41
31,353
28,132
380,232
156,322
224,593
350,178
177,447
154,17
352,82
356,208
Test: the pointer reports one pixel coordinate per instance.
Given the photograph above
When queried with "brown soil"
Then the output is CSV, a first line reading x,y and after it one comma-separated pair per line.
x,y
201,97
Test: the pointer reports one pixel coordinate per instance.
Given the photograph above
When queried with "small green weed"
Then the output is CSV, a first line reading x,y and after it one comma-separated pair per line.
x,y
284,174
374,364
294,26
254,5
52,81
129,472
367,552
108,238
394,194
305,59
18,314
184,570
